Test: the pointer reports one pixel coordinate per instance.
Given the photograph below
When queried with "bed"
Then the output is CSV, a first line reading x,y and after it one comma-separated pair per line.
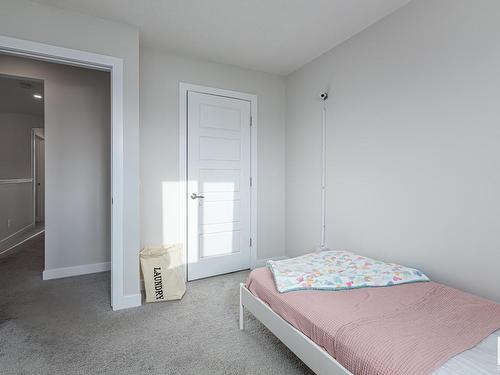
x,y
309,322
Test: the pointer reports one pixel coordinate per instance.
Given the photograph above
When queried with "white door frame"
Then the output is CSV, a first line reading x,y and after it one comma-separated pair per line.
x,y
114,65
183,197
36,133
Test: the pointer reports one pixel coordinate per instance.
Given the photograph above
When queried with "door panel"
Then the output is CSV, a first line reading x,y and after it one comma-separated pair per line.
x,y
222,243
218,212
220,180
217,148
218,185
219,117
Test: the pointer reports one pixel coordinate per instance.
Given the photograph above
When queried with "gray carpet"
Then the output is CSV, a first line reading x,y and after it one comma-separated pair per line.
x,y
66,326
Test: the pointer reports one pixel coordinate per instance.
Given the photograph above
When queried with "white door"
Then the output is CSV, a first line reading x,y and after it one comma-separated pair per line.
x,y
218,186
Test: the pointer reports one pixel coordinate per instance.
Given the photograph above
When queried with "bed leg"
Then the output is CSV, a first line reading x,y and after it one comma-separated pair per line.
x,y
242,324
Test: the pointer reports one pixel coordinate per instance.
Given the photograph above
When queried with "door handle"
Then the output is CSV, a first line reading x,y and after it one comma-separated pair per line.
x,y
196,196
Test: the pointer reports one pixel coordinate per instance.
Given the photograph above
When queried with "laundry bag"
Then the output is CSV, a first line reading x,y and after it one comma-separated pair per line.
x,y
163,274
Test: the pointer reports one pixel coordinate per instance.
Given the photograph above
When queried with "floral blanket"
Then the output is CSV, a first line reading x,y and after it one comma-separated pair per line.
x,y
338,270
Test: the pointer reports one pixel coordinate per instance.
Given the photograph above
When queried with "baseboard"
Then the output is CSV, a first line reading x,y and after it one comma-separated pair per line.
x,y
57,273
128,301
262,262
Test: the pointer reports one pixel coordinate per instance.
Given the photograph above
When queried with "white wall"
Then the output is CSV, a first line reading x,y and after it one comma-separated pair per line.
x,y
27,20
413,144
16,199
160,77
16,207
77,160
15,143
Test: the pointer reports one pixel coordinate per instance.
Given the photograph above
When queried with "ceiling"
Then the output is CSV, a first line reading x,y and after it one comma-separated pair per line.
x,y
275,36
16,95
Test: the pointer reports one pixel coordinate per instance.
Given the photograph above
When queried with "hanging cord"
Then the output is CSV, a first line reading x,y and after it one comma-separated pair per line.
x,y
323,177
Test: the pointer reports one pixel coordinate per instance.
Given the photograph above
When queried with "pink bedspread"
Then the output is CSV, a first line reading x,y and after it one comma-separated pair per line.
x,y
403,329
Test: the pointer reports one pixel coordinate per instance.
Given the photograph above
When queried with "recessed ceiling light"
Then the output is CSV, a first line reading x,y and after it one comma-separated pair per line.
x,y
37,96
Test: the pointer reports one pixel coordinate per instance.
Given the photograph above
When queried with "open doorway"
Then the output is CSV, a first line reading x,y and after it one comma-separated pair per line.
x,y
21,111
121,295
56,157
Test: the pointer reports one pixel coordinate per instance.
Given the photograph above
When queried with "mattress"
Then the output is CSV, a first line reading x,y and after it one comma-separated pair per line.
x,y
480,360
318,314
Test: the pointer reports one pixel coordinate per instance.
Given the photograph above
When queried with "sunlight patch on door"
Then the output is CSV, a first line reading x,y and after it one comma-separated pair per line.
x,y
222,243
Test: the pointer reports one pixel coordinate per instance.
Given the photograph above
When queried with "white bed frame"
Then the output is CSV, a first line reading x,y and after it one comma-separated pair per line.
x,y
314,356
